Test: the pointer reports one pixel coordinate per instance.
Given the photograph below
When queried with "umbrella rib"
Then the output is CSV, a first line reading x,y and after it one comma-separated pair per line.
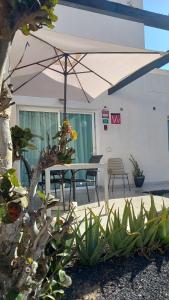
x,y
20,60
52,69
30,79
85,94
55,48
40,39
117,52
83,72
76,63
36,62
100,52
92,71
59,60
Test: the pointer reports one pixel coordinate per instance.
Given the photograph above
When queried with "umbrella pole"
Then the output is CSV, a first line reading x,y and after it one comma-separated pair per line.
x,y
65,88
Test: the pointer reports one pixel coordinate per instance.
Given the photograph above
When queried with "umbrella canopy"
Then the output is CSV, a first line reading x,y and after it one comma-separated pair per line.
x,y
89,65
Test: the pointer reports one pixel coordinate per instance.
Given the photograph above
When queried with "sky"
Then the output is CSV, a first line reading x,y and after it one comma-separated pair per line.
x,y
157,39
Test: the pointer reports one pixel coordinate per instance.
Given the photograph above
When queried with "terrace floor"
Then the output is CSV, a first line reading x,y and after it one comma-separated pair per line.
x,y
118,197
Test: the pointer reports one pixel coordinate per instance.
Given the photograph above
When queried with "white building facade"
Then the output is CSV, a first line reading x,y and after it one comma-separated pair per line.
x,y
143,105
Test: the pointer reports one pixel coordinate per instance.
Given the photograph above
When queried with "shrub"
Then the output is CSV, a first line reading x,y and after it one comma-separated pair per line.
x,y
59,252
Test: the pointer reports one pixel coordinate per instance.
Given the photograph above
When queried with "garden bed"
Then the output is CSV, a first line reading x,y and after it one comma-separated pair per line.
x,y
121,278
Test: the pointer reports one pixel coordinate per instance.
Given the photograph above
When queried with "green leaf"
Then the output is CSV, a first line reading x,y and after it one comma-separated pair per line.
x,y
65,280
62,254
24,201
41,195
11,175
2,212
20,297
48,296
25,30
59,292
14,295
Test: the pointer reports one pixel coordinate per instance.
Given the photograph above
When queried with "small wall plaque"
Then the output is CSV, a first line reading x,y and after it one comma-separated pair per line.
x,y
105,121
105,113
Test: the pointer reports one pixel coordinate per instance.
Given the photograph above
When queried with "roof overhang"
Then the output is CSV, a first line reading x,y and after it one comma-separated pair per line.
x,y
121,11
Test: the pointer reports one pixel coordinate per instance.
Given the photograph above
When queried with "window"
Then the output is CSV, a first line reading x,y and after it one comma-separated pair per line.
x,y
42,124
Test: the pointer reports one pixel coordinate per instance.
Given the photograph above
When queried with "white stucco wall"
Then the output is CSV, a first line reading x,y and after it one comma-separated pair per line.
x,y
143,131
99,27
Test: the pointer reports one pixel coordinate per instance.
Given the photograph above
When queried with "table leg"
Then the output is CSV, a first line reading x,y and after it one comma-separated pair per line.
x,y
47,188
47,181
74,185
106,190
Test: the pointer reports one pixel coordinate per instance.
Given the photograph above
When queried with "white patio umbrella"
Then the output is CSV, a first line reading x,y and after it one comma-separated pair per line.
x,y
90,65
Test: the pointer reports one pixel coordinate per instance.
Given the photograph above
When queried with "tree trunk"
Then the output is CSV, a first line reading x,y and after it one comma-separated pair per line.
x,y
5,135
33,188
5,145
4,46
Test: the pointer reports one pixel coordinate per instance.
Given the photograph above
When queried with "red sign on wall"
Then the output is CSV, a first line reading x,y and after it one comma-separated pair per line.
x,y
115,118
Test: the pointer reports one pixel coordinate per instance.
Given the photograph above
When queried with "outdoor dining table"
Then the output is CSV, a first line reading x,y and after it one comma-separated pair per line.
x,y
79,166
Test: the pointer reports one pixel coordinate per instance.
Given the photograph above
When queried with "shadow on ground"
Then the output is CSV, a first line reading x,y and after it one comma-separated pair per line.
x,y
130,278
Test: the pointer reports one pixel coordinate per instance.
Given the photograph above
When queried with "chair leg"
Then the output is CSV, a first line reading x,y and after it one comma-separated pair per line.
x,y
109,181
63,197
123,182
70,192
55,187
128,182
87,189
97,193
113,183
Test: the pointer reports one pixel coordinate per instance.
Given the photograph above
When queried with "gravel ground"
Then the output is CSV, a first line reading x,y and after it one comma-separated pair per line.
x,y
133,278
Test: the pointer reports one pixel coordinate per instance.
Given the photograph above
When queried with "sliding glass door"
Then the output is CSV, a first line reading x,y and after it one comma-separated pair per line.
x,y
45,124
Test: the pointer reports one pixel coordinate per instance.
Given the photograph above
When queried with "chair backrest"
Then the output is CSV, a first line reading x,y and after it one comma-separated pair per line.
x,y
93,159
115,166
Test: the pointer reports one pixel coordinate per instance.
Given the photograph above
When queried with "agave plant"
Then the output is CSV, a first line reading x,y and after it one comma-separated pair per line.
x,y
143,233
120,240
91,243
163,228
146,224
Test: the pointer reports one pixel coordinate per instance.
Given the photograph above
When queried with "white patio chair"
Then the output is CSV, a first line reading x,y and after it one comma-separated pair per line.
x,y
115,169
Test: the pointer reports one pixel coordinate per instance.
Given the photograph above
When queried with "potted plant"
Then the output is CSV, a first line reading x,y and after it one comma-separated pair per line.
x,y
137,172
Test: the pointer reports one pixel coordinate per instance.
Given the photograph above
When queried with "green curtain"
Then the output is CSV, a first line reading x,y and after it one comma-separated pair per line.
x,y
44,124
83,146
